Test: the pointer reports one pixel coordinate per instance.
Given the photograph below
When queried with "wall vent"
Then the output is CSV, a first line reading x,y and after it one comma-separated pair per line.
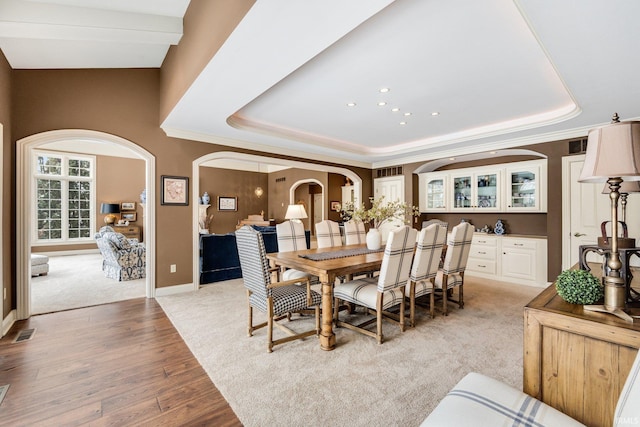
x,y
391,171
578,146
3,392
282,179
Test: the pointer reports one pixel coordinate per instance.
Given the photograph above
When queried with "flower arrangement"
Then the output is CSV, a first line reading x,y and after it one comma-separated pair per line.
x,y
205,222
579,287
380,212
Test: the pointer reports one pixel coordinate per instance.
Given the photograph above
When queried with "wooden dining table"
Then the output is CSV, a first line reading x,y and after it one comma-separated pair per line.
x,y
327,270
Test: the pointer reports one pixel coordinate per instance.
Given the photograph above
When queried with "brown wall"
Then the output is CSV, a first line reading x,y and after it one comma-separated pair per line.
x,y
8,186
233,183
207,24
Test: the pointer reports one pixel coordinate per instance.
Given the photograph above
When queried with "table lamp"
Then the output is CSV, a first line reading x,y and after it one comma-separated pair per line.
x,y
625,188
110,209
295,213
613,156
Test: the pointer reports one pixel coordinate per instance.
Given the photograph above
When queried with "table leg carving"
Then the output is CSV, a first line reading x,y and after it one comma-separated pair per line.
x,y
327,337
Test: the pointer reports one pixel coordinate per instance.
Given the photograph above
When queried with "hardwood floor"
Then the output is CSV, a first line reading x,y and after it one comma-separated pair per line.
x,y
115,364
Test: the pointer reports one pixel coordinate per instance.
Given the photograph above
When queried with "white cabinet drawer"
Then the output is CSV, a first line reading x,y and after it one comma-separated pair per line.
x,y
482,252
481,266
519,244
484,241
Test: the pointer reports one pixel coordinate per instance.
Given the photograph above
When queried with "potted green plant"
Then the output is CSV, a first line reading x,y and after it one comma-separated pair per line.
x,y
579,287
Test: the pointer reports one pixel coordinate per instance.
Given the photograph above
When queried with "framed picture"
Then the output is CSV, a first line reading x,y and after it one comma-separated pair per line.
x,y
335,206
128,206
227,203
128,216
175,190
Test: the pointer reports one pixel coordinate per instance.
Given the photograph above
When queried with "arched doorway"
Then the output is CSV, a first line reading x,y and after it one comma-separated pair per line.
x,y
24,195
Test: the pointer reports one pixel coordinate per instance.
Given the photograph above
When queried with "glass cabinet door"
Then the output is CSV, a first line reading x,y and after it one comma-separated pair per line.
x,y
523,189
462,196
435,193
487,191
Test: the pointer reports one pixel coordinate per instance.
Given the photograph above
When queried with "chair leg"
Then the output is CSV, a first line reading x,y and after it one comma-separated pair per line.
x,y
445,293
250,327
379,319
412,304
269,325
460,296
432,299
402,308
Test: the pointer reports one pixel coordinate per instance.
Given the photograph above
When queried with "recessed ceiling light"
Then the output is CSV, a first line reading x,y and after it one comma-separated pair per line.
x,y
452,158
351,104
403,123
407,114
381,104
396,109
384,90
435,113
492,152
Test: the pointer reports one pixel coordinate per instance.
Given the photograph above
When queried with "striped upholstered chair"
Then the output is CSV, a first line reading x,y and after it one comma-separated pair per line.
x,y
291,237
385,291
354,233
277,299
451,274
424,269
480,401
328,234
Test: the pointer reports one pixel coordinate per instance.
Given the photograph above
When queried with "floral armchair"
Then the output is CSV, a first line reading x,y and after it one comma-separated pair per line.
x,y
123,259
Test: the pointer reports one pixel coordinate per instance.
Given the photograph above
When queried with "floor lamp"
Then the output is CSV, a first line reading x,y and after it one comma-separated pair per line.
x,y
613,156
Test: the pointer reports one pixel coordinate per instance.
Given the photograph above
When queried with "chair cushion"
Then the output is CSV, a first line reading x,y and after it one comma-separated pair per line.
x,y
423,287
478,400
365,292
454,279
286,299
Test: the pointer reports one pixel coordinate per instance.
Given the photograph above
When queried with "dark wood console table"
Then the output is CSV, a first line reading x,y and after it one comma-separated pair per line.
x,y
577,361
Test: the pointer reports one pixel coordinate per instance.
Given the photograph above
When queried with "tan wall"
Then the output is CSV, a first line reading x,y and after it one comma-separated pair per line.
x,y
207,24
8,188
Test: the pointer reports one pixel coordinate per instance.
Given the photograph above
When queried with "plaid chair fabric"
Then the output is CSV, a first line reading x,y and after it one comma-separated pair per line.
x,y
455,261
276,299
291,237
328,234
428,222
354,232
424,269
385,291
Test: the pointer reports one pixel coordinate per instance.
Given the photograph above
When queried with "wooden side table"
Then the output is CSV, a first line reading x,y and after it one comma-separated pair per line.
x,y
130,231
577,361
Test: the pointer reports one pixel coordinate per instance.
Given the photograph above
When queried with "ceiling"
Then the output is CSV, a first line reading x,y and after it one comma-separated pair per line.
x,y
461,76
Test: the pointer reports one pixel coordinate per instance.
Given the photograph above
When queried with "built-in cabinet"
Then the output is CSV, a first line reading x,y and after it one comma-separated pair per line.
x,y
517,259
510,187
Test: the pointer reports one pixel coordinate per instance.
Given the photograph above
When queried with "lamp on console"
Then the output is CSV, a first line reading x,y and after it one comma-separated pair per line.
x,y
110,209
613,156
625,188
295,213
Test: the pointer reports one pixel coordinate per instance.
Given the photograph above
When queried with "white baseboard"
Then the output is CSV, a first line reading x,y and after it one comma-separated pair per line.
x,y
8,321
176,289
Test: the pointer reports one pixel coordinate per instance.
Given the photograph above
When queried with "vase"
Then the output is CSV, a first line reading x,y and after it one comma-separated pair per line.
x,y
374,239
143,196
499,228
205,198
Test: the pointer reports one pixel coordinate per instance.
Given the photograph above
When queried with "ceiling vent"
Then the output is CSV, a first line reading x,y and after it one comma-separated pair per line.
x,y
578,146
392,171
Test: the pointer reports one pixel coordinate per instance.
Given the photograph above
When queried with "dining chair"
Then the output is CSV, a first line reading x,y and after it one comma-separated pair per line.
x,y
481,401
277,299
451,275
290,235
328,234
354,232
428,222
381,293
426,261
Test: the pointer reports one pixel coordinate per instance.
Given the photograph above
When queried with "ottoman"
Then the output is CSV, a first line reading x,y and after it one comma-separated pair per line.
x,y
39,265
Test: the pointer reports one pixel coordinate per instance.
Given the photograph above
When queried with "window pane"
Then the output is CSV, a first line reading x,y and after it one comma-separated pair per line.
x,y
47,165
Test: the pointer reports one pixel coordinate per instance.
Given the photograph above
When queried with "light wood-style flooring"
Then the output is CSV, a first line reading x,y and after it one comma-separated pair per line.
x,y
115,364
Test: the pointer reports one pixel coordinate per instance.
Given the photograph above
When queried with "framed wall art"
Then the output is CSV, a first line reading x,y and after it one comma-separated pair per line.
x,y
335,206
128,216
175,190
227,203
128,206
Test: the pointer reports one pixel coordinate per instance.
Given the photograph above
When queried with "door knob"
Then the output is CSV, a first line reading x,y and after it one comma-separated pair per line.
x,y
576,234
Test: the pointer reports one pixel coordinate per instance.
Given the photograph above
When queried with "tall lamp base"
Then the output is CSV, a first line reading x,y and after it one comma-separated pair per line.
x,y
615,311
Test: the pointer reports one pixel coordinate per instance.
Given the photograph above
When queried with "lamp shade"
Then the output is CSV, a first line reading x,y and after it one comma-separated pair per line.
x,y
613,151
626,187
109,208
295,212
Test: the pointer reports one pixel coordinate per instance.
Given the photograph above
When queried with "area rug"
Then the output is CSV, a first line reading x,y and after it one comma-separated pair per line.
x,y
360,383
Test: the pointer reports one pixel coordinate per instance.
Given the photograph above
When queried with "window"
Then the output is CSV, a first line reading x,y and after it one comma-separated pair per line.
x,y
64,197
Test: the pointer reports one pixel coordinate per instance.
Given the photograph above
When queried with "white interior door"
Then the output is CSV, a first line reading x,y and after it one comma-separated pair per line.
x,y
586,209
392,188
317,210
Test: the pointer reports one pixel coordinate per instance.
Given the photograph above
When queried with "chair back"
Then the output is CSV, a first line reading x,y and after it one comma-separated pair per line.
x,y
428,222
426,259
253,261
291,236
398,255
458,245
627,409
328,234
354,233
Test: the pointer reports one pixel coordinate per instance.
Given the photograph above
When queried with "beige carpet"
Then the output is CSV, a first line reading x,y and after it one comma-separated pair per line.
x,y
360,383
76,281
